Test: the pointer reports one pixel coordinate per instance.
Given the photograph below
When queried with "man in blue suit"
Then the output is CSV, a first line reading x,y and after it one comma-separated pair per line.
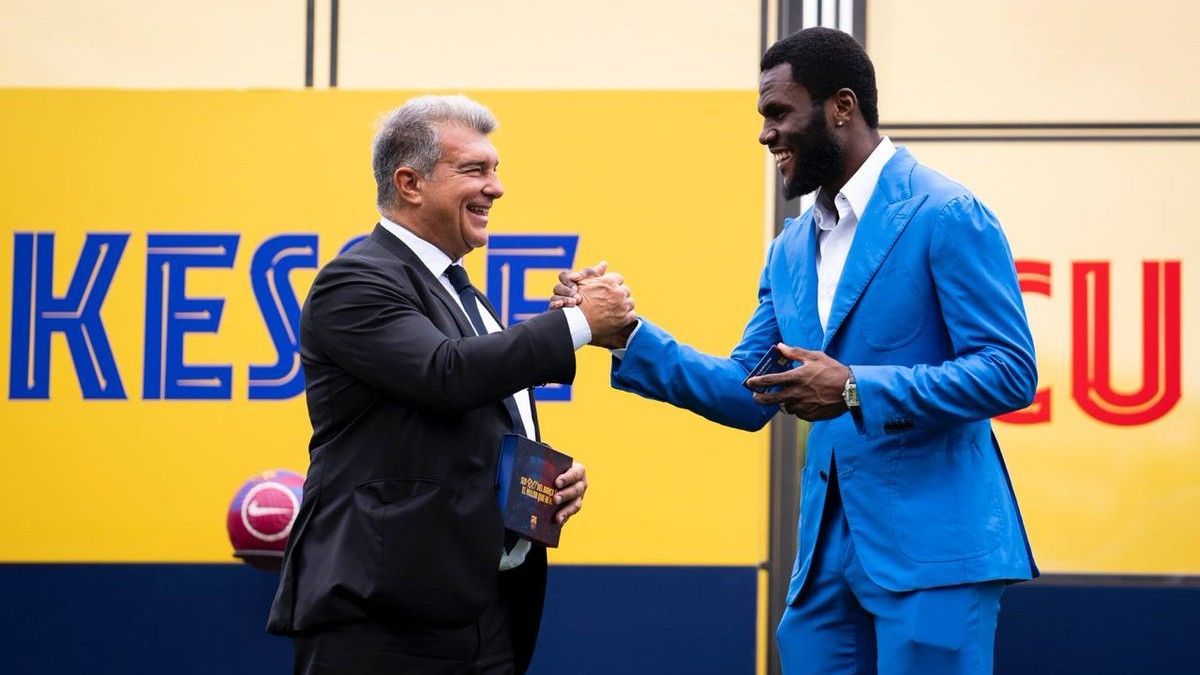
x,y
897,297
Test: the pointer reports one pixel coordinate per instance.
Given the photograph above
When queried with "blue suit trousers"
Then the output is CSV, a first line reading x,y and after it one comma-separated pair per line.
x,y
844,623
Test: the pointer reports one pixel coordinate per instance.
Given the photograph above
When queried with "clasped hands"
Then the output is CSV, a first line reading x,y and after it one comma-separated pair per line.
x,y
812,391
606,301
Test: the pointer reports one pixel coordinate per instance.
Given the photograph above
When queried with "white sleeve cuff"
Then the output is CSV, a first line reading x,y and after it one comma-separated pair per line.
x,y
581,332
620,353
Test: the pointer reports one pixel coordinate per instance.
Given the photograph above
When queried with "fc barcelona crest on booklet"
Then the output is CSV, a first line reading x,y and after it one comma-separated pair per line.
x,y
526,477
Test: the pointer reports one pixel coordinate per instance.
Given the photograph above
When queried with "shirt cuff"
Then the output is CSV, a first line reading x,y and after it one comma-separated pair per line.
x,y
620,353
581,332
516,556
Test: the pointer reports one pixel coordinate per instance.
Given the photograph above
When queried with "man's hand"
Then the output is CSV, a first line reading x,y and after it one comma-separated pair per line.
x,y
812,391
571,486
566,290
608,307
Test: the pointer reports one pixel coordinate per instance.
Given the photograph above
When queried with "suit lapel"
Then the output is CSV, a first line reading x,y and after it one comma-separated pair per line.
x,y
800,254
406,254
887,214
491,310
460,318
537,430
402,251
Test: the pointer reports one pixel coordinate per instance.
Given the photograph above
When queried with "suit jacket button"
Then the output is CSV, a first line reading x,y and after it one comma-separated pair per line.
x,y
824,476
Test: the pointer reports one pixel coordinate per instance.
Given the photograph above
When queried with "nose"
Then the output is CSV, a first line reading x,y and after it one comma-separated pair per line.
x,y
767,134
494,188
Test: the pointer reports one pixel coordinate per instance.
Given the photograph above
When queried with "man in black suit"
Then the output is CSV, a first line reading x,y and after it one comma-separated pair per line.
x,y
398,561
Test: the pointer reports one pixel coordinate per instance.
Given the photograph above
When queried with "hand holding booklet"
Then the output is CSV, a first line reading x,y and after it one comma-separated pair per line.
x,y
527,473
772,362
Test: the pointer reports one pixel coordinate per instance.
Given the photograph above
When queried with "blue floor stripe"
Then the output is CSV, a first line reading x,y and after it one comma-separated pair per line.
x,y
1098,630
652,620
208,619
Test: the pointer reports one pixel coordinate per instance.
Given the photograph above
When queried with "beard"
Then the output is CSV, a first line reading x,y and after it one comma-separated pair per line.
x,y
816,157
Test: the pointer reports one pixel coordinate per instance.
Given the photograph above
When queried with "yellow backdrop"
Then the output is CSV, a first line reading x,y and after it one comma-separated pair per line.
x,y
667,186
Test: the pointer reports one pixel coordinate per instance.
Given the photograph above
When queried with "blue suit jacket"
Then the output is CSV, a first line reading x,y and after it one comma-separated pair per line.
x,y
929,316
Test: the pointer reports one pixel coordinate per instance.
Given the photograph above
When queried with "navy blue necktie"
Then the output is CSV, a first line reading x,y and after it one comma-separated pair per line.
x,y
466,293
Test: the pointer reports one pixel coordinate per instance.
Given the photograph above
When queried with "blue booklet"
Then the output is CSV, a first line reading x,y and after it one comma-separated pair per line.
x,y
526,478
772,362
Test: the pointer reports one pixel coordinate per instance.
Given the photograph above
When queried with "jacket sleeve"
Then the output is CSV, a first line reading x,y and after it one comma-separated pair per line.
x,y
658,367
377,331
993,370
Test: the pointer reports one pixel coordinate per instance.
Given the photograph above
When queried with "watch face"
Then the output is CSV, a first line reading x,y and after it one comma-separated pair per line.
x,y
850,394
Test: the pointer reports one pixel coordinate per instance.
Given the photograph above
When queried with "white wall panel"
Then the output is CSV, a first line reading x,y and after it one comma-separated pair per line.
x,y
383,44
1033,60
550,44
148,44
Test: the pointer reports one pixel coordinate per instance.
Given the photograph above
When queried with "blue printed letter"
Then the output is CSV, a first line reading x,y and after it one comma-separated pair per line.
x,y
170,314
37,313
509,257
269,276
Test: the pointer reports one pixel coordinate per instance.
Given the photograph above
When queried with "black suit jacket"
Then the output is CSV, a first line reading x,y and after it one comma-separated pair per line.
x,y
399,521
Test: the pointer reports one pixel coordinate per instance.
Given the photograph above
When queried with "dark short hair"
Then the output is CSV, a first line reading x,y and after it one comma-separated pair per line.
x,y
825,60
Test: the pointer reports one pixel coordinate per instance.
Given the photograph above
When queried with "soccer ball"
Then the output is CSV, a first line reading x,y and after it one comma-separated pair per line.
x,y
261,516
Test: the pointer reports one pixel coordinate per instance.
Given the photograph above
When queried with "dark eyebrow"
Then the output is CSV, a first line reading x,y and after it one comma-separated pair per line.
x,y
771,107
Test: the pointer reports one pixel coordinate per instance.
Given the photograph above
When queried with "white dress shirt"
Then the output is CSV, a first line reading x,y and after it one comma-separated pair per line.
x,y
438,262
835,231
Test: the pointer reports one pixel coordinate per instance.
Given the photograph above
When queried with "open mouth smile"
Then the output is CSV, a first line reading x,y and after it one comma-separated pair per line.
x,y
782,157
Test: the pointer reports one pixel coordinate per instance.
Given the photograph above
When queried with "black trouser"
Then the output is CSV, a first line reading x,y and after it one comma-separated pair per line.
x,y
484,648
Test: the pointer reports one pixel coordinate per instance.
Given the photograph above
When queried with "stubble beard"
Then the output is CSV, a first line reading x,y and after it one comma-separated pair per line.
x,y
816,157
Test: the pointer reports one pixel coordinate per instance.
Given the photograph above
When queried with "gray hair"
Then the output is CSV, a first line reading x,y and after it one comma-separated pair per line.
x,y
408,137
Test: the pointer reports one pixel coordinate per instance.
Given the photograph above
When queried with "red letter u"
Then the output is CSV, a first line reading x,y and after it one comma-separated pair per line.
x,y
1092,382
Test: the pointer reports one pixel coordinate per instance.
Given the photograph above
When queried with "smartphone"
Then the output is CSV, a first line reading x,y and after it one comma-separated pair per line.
x,y
771,362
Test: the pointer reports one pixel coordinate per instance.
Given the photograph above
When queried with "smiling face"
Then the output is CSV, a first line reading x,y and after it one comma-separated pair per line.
x,y
797,133
457,198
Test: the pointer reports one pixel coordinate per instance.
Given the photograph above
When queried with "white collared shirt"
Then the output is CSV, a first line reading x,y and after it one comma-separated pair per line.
x,y
835,231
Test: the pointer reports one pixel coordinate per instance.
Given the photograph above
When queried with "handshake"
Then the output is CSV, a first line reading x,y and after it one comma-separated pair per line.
x,y
606,302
